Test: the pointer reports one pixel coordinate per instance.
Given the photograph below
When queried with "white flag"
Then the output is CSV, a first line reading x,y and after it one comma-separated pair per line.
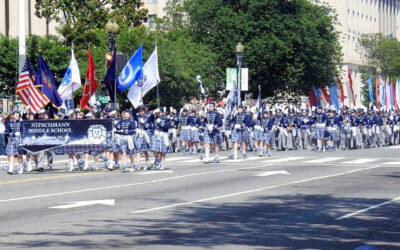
x,y
150,79
71,81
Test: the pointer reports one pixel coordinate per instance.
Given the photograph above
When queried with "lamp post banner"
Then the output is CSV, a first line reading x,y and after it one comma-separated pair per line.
x,y
244,73
231,78
66,136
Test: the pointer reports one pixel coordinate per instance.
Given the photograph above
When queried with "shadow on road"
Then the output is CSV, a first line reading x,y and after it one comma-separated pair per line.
x,y
297,221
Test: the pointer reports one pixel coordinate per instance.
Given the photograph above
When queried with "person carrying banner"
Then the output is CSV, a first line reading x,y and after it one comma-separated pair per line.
x,y
49,155
160,140
142,138
95,154
13,129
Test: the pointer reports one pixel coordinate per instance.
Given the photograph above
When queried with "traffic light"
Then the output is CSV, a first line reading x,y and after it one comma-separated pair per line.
x,y
109,58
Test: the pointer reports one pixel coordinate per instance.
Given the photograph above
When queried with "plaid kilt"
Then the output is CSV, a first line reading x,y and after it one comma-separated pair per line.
x,y
158,143
141,144
12,147
332,134
185,134
319,132
213,138
266,137
258,135
240,135
194,135
124,146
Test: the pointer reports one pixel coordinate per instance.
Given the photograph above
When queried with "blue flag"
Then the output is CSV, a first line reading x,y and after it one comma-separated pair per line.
x,y
111,75
370,90
132,72
316,91
333,95
45,80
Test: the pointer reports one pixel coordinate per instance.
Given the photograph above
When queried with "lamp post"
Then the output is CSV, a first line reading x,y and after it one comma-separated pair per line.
x,y
112,29
239,51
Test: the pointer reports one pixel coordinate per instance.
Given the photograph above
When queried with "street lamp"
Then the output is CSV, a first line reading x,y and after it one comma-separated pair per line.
x,y
239,51
112,29
378,70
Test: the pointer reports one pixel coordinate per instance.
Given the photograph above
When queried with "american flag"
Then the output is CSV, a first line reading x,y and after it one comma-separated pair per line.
x,y
26,91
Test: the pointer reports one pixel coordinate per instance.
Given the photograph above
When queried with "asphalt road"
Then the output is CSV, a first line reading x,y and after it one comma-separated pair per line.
x,y
295,199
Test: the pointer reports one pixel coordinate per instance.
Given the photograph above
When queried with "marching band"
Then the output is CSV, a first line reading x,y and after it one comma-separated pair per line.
x,y
203,130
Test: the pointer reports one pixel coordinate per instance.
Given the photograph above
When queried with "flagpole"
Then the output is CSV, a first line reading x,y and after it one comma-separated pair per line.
x,y
72,84
158,93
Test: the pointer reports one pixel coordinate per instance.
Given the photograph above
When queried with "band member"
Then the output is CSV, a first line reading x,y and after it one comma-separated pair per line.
x,y
194,124
266,125
291,140
332,125
320,128
174,130
160,140
113,155
142,138
212,134
185,131
305,122
126,129
13,129
240,134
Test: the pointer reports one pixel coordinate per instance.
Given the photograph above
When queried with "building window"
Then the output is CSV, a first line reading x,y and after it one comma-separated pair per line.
x,y
152,21
151,1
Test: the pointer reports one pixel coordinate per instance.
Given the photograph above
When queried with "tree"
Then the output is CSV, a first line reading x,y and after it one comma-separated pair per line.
x,y
290,46
79,20
378,50
8,66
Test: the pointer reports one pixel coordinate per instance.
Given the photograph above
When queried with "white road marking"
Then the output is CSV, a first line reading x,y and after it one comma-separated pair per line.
x,y
393,147
127,185
269,173
249,191
368,208
156,172
326,159
360,161
85,203
285,159
176,158
392,163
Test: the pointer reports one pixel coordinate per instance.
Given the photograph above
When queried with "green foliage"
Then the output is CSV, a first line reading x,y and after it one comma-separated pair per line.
x,y
79,19
8,66
290,46
378,51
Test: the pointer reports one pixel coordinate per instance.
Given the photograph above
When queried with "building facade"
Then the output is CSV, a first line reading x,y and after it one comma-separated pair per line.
x,y
34,25
357,17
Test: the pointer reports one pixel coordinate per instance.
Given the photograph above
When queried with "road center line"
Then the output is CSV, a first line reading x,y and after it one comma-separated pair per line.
x,y
128,185
250,191
368,208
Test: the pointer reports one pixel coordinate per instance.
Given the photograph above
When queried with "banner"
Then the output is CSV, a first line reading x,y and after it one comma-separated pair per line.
x,y
66,136
231,78
244,84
